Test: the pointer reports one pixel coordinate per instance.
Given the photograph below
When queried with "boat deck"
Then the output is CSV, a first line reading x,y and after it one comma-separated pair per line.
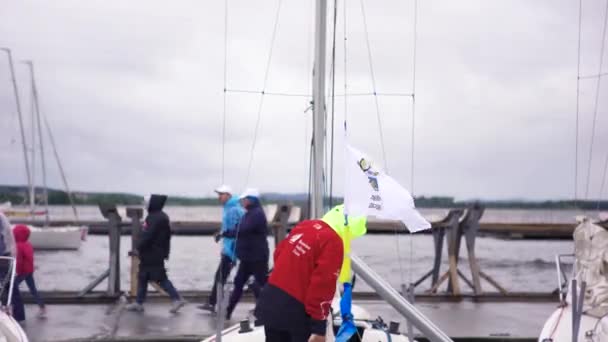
x,y
110,322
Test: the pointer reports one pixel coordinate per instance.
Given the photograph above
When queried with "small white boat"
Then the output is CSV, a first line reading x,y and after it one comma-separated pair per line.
x,y
591,267
368,329
10,330
53,238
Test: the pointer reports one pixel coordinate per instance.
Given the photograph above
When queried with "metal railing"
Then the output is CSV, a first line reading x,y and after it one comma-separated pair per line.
x,y
8,278
562,277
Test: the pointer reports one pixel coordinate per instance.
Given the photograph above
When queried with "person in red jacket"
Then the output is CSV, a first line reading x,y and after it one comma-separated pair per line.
x,y
295,303
25,264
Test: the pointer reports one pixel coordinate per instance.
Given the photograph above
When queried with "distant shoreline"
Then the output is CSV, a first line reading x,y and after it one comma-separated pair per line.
x,y
18,195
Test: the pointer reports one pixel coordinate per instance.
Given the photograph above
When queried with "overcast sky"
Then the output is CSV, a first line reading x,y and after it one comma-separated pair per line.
x,y
134,93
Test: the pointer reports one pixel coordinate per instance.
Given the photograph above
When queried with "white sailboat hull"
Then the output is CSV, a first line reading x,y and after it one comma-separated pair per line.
x,y
558,327
52,238
233,334
10,330
367,331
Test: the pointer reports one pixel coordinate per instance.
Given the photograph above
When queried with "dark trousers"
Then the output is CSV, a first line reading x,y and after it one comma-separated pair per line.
x,y
257,269
31,285
142,287
274,335
221,275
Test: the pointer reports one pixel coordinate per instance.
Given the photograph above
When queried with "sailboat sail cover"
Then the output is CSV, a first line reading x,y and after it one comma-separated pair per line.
x,y
591,252
368,191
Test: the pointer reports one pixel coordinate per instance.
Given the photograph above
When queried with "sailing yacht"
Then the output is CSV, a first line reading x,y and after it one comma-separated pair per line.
x,y
67,237
368,329
583,313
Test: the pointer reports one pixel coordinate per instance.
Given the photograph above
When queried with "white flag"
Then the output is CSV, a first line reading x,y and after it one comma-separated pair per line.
x,y
369,191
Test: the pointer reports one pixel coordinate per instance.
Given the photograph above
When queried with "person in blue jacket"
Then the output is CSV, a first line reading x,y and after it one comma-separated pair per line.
x,y
251,238
231,218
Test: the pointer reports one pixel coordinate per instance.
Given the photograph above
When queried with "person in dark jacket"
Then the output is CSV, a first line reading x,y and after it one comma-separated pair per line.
x,y
251,238
295,303
153,249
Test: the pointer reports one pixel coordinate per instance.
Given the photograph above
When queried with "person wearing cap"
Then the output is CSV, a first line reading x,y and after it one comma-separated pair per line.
x,y
153,249
231,218
251,238
295,303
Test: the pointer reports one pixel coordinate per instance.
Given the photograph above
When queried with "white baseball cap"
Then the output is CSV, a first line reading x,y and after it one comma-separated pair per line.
x,y
250,192
223,189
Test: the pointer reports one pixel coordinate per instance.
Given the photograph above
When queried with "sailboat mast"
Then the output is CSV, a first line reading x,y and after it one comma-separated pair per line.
x,y
61,171
33,152
318,91
41,141
390,295
19,113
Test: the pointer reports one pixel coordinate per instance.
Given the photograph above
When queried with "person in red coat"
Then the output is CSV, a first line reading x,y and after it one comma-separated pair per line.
x,y
25,264
296,300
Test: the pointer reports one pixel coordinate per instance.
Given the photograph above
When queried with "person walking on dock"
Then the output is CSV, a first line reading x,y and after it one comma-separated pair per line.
x,y
231,218
25,265
153,248
251,238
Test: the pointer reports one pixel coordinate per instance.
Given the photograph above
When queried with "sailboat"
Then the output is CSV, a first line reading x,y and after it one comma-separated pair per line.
x,y
583,312
367,328
67,237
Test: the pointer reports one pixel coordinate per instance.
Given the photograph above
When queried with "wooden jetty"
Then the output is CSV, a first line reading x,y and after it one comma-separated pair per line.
x,y
510,224
500,230
465,316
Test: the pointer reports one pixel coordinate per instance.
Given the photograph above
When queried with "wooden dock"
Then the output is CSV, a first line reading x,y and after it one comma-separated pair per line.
x,y
501,230
101,297
463,321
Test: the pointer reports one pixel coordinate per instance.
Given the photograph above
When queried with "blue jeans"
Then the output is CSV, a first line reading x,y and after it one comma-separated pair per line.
x,y
31,285
164,283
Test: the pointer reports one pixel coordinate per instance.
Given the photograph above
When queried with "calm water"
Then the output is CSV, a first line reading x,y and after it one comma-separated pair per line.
x,y
516,265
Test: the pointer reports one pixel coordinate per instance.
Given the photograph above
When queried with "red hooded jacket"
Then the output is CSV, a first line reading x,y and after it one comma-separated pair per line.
x,y
25,251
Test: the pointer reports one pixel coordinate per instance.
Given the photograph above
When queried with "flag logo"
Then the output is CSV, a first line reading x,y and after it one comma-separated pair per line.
x,y
372,176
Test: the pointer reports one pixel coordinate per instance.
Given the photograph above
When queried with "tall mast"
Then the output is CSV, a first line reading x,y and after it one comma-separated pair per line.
x,y
33,152
41,140
61,170
389,294
19,113
318,91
